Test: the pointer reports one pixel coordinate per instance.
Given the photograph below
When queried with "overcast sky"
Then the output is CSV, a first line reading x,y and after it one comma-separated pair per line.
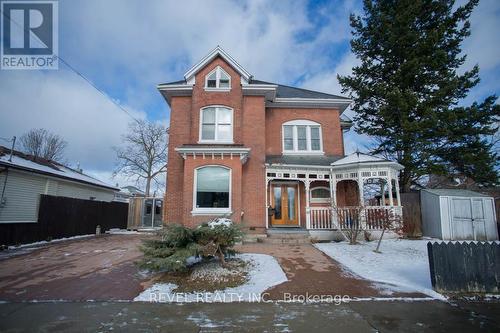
x,y
127,47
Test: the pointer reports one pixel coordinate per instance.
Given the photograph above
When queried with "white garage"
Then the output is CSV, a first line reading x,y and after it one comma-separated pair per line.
x,y
455,214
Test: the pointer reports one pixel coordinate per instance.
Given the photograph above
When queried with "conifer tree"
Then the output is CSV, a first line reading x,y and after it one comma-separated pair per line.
x,y
408,89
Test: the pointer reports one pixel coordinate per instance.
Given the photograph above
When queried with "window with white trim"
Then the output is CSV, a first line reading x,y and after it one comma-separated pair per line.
x,y
218,79
216,124
320,194
212,189
302,136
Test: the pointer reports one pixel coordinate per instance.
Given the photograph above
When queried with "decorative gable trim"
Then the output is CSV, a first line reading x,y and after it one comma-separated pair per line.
x,y
218,51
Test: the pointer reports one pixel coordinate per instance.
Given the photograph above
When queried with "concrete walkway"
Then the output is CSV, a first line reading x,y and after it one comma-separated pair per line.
x,y
372,316
311,272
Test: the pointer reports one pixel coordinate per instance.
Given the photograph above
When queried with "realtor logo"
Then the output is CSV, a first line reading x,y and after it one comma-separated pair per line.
x,y
29,35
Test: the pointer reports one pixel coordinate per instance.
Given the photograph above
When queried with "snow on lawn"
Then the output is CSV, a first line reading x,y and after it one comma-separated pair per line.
x,y
264,274
403,263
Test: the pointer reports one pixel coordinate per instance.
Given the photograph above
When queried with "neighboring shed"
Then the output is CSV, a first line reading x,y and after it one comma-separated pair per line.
x,y
456,214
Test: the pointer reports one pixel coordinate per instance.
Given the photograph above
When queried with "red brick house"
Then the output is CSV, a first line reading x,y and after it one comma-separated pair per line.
x,y
240,146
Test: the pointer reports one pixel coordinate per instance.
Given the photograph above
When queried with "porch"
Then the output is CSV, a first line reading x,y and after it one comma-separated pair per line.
x,y
357,191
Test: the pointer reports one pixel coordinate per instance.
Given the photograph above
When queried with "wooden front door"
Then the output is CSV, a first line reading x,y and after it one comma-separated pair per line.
x,y
284,200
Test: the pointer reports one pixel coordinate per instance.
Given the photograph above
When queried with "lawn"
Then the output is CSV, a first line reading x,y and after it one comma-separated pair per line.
x,y
403,263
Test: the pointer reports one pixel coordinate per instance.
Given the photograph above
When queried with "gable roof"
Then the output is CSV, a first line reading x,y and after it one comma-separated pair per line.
x,y
42,166
217,52
276,95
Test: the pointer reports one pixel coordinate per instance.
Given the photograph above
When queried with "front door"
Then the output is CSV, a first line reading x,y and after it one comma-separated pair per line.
x,y
284,200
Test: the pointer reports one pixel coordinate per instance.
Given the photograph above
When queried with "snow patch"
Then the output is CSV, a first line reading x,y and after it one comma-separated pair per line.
x,y
265,273
403,264
13,247
116,231
220,221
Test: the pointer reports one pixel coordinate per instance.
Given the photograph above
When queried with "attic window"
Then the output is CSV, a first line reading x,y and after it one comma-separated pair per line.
x,y
218,79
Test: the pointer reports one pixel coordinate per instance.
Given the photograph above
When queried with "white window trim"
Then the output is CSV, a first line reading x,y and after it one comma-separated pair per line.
x,y
211,211
319,200
218,71
216,140
295,150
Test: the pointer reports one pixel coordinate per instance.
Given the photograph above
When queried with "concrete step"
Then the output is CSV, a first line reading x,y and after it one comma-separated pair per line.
x,y
285,233
287,236
290,241
254,238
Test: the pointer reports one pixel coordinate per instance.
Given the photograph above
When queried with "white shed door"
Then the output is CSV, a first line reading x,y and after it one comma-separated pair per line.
x,y
478,219
469,218
461,218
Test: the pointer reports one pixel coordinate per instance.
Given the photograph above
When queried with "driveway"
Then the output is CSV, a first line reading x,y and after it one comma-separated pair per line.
x,y
96,268
104,268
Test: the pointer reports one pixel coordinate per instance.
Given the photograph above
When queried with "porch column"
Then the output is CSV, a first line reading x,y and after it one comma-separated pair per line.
x,y
360,190
267,204
308,210
333,192
389,182
398,197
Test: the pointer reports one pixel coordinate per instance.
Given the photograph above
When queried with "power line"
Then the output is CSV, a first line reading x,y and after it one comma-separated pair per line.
x,y
79,74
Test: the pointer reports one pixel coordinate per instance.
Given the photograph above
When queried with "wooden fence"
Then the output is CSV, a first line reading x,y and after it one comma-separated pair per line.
x,y
412,219
60,217
465,267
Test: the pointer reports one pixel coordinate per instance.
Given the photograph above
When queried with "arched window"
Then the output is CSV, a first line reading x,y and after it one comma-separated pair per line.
x,y
218,79
216,124
212,189
320,194
302,137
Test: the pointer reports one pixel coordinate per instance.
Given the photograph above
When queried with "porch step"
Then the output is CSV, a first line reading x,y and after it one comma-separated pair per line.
x,y
291,241
254,238
287,236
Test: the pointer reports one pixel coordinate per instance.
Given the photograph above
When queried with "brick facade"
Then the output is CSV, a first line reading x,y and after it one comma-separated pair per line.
x,y
255,127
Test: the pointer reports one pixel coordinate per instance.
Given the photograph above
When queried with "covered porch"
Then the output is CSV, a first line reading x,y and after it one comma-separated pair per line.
x,y
358,189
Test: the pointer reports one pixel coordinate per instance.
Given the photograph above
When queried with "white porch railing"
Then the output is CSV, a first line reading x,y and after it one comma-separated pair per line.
x,y
321,218
368,217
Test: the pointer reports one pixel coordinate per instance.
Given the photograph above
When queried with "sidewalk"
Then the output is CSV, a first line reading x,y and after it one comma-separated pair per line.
x,y
382,316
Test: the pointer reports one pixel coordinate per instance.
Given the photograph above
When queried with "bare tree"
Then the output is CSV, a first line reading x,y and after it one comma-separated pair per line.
x,y
349,222
41,143
144,154
390,221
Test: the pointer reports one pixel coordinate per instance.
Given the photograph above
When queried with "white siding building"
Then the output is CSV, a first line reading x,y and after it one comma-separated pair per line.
x,y
23,180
